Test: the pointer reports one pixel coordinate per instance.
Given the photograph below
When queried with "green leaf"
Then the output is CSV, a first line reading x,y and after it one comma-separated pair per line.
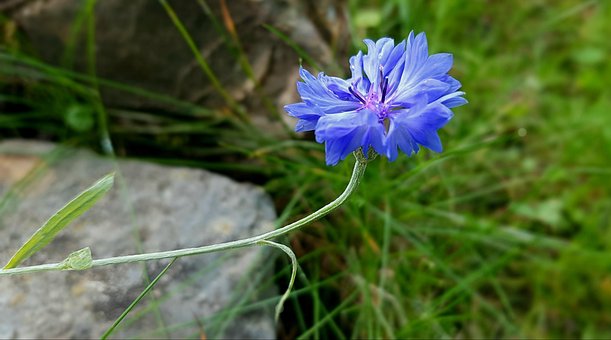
x,y
78,260
294,264
61,219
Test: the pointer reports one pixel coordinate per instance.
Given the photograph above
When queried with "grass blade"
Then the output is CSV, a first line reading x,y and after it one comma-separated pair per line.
x,y
135,302
73,209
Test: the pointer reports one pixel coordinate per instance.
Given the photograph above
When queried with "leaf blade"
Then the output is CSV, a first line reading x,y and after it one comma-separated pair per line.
x,y
73,209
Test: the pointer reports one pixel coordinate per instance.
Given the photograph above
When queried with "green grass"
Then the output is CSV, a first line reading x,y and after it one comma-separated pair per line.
x,y
504,234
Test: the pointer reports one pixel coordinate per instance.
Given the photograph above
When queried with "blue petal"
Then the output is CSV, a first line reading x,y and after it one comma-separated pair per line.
x,y
433,88
302,111
395,72
416,55
453,99
339,87
338,149
356,65
436,65
399,138
419,125
423,127
308,116
420,48
335,126
305,125
395,58
314,92
360,82
332,153
429,77
455,102
371,62
374,137
384,47
433,117
454,84
345,132
306,75
427,138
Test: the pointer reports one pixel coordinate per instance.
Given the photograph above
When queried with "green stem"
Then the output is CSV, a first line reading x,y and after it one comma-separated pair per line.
x,y
357,174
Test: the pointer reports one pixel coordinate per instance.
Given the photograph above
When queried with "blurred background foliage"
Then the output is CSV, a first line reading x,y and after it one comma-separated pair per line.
x,y
504,234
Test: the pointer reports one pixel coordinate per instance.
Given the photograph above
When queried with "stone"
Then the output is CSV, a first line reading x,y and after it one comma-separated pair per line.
x,y
150,208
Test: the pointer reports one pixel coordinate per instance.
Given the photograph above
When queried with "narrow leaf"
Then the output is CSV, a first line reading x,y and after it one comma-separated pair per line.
x,y
135,302
294,265
61,219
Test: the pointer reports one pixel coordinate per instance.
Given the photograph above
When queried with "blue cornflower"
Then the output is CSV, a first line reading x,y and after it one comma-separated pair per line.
x,y
397,98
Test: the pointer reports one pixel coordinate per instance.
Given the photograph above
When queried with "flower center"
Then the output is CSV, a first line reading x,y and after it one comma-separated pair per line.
x,y
375,100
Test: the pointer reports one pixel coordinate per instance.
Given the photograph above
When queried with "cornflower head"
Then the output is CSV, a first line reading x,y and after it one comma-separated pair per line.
x,y
397,99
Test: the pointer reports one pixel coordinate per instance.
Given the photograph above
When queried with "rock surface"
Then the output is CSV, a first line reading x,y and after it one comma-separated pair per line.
x,y
153,207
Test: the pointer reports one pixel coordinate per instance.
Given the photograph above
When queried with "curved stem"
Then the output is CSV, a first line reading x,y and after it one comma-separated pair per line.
x,y
357,174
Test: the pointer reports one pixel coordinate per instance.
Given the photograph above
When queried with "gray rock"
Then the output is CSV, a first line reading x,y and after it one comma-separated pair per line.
x,y
150,207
